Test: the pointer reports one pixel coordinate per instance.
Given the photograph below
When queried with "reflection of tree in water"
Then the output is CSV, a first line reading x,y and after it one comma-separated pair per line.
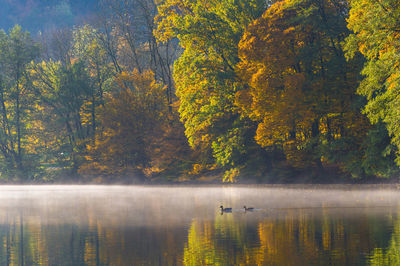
x,y
87,244
31,243
291,238
391,254
226,241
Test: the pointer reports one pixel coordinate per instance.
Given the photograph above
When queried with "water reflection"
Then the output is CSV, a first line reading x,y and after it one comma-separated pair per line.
x,y
390,253
169,226
289,238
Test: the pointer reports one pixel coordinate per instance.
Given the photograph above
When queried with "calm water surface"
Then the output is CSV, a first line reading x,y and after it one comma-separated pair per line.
x,y
134,225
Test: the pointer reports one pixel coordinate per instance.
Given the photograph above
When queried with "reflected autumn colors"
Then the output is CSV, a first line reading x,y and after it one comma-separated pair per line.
x,y
99,225
294,238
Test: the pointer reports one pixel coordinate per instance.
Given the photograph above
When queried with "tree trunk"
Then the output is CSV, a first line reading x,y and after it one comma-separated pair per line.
x,y
19,152
315,138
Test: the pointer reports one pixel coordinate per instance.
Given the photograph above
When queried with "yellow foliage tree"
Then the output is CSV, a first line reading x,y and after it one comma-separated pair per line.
x,y
133,118
300,87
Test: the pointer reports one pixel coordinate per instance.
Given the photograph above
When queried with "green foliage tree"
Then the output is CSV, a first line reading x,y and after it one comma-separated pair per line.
x,y
87,48
205,77
64,91
375,26
17,50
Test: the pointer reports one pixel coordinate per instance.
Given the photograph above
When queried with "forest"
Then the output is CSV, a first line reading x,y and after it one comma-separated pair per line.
x,y
204,90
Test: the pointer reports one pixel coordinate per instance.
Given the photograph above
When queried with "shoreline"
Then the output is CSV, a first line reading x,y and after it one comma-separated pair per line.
x,y
393,186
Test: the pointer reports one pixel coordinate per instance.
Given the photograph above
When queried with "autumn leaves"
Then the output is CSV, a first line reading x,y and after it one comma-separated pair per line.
x,y
260,90
281,76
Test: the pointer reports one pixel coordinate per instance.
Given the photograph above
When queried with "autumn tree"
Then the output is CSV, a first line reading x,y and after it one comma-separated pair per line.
x,y
133,119
130,23
205,77
300,86
375,26
17,50
71,90
63,91
87,48
57,45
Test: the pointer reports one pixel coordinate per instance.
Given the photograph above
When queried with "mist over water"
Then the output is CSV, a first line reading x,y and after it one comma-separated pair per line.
x,y
118,225
142,205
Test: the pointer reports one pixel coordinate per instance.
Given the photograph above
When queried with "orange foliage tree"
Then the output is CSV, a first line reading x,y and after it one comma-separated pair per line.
x,y
133,118
300,87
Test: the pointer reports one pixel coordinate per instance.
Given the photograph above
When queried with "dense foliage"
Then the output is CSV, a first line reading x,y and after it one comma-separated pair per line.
x,y
194,88
205,77
376,36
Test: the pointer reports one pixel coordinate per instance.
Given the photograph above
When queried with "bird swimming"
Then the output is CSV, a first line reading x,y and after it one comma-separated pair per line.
x,y
250,209
225,209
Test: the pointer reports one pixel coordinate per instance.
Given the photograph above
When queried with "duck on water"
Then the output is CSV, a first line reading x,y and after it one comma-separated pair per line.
x,y
225,209
250,209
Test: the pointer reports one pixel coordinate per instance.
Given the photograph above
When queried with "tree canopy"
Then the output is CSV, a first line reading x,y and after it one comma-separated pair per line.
x,y
375,27
200,89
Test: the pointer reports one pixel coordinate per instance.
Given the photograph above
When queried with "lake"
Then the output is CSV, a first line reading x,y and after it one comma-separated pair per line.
x,y
143,225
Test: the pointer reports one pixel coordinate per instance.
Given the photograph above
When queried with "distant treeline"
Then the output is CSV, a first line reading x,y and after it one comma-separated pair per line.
x,y
185,90
42,15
